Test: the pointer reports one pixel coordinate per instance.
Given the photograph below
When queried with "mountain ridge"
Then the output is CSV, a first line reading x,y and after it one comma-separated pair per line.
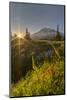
x,y
45,33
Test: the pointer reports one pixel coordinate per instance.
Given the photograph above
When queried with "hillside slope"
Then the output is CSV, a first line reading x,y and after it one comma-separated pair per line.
x,y
46,80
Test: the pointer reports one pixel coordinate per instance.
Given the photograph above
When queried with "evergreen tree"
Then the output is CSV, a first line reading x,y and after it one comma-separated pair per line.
x,y
27,36
58,36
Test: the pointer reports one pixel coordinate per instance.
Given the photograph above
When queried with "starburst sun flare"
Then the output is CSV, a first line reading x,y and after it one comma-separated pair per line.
x,y
20,35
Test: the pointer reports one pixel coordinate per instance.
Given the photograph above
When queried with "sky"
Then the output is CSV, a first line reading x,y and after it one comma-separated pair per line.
x,y
35,17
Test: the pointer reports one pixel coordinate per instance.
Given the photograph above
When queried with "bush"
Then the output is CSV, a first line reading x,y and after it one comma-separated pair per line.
x,y
46,80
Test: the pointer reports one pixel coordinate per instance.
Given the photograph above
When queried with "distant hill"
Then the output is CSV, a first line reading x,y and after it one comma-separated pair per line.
x,y
45,33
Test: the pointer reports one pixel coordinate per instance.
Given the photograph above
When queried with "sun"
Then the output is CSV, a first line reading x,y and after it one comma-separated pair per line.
x,y
19,35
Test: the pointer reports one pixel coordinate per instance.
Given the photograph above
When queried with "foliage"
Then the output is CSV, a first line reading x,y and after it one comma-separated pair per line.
x,y
46,80
37,67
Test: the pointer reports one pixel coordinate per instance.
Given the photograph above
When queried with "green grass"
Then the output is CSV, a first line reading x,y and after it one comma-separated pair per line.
x,y
48,79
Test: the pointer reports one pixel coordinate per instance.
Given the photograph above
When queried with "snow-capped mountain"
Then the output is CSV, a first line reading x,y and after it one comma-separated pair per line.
x,y
45,33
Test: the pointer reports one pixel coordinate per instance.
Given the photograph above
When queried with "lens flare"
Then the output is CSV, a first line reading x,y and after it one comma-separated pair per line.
x,y
19,35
